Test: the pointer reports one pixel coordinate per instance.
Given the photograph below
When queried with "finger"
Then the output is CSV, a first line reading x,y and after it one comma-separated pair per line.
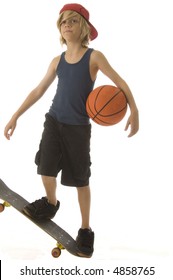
x,y
130,134
8,133
127,126
8,136
133,131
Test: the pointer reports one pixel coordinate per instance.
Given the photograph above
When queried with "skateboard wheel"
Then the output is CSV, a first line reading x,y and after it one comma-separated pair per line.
x,y
1,207
56,252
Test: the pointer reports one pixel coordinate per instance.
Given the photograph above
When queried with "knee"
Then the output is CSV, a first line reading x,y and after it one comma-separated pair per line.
x,y
48,180
83,189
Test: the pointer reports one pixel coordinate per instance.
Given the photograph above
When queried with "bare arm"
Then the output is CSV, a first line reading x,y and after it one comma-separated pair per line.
x,y
32,98
103,65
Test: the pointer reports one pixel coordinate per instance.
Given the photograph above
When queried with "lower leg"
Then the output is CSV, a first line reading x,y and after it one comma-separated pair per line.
x,y
84,199
50,187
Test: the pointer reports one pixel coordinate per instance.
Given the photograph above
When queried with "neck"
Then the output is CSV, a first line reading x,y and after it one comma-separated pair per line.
x,y
73,49
74,53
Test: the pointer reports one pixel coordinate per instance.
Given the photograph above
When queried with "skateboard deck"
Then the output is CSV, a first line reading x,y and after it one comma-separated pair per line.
x,y
64,240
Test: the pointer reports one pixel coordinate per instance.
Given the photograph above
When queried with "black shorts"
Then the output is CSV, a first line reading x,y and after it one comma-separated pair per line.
x,y
67,148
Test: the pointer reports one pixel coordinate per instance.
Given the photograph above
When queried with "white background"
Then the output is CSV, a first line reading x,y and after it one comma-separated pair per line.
x,y
131,179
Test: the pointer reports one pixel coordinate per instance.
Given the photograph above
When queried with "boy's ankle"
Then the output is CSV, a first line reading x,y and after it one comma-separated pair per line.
x,y
52,201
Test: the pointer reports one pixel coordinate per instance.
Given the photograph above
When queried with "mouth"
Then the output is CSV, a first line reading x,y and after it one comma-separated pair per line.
x,y
67,31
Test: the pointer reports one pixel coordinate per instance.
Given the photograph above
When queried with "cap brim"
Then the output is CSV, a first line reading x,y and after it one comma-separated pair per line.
x,y
93,32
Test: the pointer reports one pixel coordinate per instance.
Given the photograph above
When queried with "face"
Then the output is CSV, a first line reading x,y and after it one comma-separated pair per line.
x,y
70,26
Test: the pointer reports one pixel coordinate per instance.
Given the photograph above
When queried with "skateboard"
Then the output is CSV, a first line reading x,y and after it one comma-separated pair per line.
x,y
63,239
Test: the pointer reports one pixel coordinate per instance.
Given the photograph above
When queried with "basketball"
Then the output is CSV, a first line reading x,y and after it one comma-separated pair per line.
x,y
106,105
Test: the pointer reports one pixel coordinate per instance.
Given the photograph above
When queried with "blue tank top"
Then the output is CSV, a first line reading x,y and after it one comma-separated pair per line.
x,y
74,86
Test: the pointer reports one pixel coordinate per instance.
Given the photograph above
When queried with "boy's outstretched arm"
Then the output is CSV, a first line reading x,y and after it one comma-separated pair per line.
x,y
32,98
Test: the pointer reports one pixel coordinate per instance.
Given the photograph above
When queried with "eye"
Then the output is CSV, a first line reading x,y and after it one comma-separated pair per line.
x,y
63,22
73,21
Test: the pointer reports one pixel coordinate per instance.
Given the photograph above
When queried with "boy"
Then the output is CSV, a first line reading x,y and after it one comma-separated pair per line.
x,y
65,143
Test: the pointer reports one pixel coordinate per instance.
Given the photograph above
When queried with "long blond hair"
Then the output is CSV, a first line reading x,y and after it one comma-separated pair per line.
x,y
85,28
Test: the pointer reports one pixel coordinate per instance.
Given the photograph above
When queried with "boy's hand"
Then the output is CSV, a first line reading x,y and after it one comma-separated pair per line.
x,y
9,129
133,121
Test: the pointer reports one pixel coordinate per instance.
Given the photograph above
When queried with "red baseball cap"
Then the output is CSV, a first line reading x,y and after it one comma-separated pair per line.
x,y
84,13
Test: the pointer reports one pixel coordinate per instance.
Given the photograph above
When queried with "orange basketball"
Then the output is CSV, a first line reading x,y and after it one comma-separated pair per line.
x,y
106,105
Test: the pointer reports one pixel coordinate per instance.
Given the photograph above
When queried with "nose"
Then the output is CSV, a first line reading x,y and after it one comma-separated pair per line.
x,y
68,23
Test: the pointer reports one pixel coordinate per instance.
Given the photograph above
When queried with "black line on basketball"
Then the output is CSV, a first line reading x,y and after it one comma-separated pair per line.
x,y
98,112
